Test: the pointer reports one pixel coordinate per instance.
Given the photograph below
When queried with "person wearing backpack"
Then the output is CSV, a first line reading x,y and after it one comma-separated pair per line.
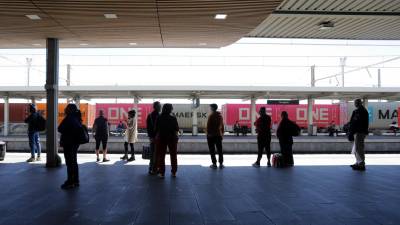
x,y
263,129
285,132
34,126
72,132
101,129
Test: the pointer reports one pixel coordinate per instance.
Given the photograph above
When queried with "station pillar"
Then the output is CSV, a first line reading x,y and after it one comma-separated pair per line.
x,y
33,100
136,107
253,114
365,102
52,55
310,103
195,109
6,115
77,100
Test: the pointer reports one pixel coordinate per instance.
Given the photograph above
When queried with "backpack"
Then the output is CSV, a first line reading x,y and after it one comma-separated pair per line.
x,y
277,160
40,123
83,135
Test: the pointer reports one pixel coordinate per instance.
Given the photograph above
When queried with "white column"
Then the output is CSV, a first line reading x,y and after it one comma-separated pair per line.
x,y
195,109
253,112
6,115
365,102
136,107
313,76
310,103
77,100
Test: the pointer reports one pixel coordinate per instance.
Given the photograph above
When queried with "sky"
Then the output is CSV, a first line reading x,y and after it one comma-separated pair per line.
x,y
250,61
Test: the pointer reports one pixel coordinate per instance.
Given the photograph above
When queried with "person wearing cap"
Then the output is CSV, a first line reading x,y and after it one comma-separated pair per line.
x,y
215,133
263,129
33,133
357,132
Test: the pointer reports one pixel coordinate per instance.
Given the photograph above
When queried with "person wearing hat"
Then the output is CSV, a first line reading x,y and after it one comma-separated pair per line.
x,y
33,133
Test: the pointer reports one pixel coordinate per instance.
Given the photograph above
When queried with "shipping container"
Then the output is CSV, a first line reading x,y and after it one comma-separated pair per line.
x,y
18,112
322,114
381,114
87,110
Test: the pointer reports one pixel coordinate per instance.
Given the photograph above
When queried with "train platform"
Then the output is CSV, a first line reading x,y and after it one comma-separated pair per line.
x,y
237,145
320,189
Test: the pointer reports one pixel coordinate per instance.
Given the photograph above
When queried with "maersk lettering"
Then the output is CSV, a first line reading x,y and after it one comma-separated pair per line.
x,y
386,115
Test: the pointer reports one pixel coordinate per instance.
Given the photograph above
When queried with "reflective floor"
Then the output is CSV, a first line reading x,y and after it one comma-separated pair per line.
x,y
321,189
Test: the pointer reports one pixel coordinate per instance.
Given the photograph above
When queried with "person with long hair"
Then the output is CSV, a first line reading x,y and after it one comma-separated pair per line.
x,y
69,128
130,136
166,129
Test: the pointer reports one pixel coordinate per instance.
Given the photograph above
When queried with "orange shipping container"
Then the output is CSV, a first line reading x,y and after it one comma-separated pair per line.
x,y
88,112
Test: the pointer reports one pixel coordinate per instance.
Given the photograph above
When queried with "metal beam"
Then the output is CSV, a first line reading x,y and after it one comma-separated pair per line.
x,y
333,13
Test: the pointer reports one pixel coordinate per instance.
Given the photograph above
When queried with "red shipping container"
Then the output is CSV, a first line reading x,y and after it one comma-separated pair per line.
x,y
17,114
119,112
322,114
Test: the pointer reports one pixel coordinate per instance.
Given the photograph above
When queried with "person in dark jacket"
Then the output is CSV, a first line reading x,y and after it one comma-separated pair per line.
x,y
358,130
33,133
285,132
166,129
101,130
150,122
70,128
263,129
215,133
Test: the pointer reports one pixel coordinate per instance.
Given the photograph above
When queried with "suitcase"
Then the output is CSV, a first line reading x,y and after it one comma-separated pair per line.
x,y
277,160
3,148
146,153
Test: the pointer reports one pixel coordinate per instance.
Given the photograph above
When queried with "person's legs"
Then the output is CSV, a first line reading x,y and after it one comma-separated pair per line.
x,y
153,159
75,168
268,149
68,162
125,157
37,144
97,148
31,144
211,148
260,145
218,143
172,146
161,150
104,145
289,148
132,158
359,148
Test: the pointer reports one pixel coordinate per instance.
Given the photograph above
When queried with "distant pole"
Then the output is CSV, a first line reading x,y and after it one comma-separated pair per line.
x,y
253,115
379,78
313,76
342,65
28,66
68,74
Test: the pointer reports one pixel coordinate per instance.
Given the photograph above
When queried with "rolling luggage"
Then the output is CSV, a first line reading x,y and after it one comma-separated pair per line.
x,y
146,153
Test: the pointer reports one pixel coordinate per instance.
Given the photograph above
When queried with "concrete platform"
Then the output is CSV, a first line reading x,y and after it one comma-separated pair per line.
x,y
232,144
118,193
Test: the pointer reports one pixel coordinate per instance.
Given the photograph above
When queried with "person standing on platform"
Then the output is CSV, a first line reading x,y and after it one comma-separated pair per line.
x,y
33,133
151,133
359,122
236,128
166,129
285,132
215,133
101,130
69,128
263,129
130,136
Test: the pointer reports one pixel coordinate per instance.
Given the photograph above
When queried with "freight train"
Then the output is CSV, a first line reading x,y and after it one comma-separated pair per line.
x,y
382,114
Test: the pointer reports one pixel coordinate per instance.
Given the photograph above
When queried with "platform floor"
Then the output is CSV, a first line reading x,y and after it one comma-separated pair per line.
x,y
322,189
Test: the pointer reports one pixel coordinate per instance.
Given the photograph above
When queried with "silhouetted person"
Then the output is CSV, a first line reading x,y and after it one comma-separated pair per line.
x,y
215,133
130,136
121,127
285,132
151,133
167,129
358,130
101,129
332,129
33,133
263,129
394,127
236,128
70,128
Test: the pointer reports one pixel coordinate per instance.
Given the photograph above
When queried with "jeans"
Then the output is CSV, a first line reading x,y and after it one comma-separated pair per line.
x,y
215,141
153,159
162,145
264,142
34,143
70,155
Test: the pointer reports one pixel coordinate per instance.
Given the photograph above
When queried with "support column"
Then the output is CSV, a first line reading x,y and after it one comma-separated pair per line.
x,y
136,107
6,115
253,116
195,109
33,100
365,102
77,100
52,54
310,103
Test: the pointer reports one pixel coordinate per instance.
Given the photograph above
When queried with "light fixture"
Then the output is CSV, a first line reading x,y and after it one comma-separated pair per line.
x,y
110,16
220,16
326,25
33,17
36,44
133,43
83,44
202,44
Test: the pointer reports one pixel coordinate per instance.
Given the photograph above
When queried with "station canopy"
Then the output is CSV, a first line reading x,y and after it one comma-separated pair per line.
x,y
206,92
